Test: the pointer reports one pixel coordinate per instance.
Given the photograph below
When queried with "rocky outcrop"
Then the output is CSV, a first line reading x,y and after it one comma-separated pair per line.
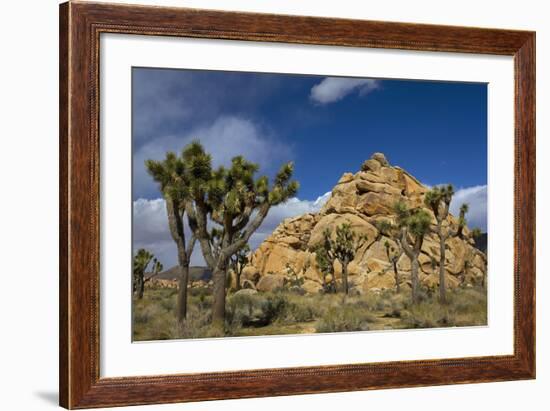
x,y
362,200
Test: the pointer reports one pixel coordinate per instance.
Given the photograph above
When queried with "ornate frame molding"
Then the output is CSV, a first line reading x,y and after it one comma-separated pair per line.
x,y
80,27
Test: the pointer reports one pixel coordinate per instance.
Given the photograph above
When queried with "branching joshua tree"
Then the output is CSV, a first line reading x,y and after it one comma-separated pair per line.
x,y
233,200
438,199
344,247
142,259
239,260
393,254
174,186
414,225
324,256
294,279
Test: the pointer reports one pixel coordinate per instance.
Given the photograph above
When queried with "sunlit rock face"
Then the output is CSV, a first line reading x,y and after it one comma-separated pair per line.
x,y
363,200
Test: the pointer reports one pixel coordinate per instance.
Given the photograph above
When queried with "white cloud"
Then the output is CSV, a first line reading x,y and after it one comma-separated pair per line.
x,y
151,226
333,89
225,138
169,101
476,198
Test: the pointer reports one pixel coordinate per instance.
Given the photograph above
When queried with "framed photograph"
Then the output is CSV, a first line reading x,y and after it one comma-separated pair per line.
x,y
259,205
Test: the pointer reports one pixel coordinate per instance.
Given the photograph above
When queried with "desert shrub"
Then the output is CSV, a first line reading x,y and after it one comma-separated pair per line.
x,y
429,314
467,300
347,317
254,310
196,325
169,304
298,290
376,301
199,291
152,322
398,305
464,307
143,314
299,309
469,305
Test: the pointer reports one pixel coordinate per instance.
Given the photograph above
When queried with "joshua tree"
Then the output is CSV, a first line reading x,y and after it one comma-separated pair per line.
x,y
464,208
438,199
294,280
142,259
393,254
234,201
476,233
324,256
174,186
393,257
239,260
344,247
414,224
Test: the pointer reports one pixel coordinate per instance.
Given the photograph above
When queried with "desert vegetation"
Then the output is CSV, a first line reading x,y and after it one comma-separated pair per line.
x,y
144,260
384,252
287,312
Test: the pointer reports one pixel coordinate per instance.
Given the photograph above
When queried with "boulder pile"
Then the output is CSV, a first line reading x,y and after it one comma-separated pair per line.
x,y
362,200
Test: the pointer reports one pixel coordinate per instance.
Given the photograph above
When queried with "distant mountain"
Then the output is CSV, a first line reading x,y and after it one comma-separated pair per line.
x,y
481,242
195,273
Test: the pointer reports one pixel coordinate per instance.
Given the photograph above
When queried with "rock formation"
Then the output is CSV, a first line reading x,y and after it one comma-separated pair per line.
x,y
363,200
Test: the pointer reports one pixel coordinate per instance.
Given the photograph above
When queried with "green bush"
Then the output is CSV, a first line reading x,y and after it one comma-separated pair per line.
x,y
346,317
254,310
298,310
169,304
152,322
429,314
196,325
199,292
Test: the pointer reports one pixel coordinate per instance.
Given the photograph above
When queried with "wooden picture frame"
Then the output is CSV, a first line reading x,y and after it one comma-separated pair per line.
x,y
80,27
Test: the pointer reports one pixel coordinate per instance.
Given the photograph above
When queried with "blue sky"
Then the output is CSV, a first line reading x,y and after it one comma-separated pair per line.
x,y
327,126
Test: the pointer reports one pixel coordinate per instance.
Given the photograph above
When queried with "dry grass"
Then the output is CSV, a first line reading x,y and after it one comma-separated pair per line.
x,y
285,312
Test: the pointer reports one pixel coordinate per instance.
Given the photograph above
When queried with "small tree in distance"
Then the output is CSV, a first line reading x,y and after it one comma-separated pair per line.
x,y
324,256
142,259
392,253
393,257
238,261
345,246
476,233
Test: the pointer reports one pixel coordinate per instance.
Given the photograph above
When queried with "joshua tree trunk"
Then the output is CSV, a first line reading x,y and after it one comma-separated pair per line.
x,y
414,279
412,253
140,286
218,309
175,223
442,286
181,306
396,275
345,285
